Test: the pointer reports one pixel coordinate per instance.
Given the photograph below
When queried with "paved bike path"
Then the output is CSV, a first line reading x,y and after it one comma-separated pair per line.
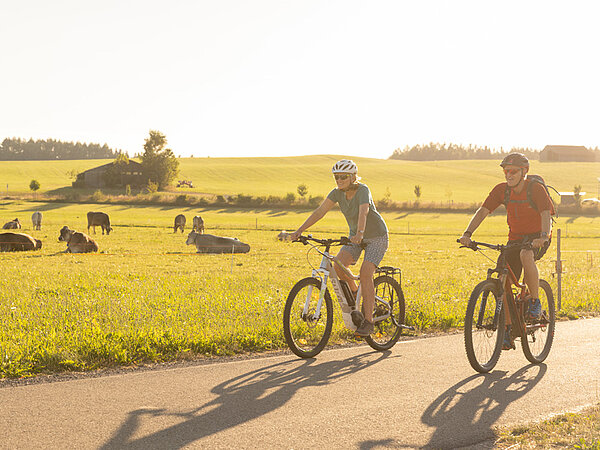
x,y
421,393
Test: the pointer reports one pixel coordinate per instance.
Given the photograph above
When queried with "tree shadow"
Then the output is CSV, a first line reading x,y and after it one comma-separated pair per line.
x,y
239,400
45,207
465,413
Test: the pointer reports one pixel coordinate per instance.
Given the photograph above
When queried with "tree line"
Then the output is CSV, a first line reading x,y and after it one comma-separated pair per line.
x,y
436,151
16,149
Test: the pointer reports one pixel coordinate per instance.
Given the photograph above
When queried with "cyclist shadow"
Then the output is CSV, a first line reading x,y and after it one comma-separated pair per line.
x,y
466,412
239,400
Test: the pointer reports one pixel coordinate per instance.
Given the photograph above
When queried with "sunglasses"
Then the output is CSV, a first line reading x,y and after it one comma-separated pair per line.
x,y
511,171
341,176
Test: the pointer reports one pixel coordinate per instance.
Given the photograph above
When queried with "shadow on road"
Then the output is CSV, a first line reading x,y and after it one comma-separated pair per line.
x,y
465,413
239,400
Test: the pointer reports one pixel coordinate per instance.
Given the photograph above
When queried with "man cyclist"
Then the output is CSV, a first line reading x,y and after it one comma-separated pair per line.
x,y
366,227
527,224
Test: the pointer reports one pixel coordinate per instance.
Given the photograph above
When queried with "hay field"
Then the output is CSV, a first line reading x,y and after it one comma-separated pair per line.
x,y
147,297
441,181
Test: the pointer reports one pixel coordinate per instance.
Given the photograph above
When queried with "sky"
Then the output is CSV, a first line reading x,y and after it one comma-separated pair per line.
x,y
239,78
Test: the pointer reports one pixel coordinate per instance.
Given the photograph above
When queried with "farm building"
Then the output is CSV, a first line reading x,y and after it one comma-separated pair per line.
x,y
130,174
563,153
568,198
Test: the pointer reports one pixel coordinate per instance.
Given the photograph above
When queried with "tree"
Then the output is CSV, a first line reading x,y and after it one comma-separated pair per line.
x,y
577,195
114,172
302,190
34,185
418,192
159,164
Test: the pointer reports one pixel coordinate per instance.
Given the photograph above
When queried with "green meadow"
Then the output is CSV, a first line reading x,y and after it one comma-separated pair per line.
x,y
442,182
147,297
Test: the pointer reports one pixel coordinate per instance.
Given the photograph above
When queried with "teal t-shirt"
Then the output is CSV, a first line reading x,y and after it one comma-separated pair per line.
x,y
375,224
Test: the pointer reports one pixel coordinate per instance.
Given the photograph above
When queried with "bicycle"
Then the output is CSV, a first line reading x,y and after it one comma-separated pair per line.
x,y
308,313
485,316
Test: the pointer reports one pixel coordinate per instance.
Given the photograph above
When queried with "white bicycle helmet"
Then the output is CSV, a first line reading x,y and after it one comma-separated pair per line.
x,y
345,166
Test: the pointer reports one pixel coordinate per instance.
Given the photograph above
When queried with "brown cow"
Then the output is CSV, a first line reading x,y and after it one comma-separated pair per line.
x,y
198,224
179,223
209,243
12,225
18,242
99,219
77,242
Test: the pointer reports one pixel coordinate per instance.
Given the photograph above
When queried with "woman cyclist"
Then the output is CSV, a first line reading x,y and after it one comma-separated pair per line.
x,y
366,227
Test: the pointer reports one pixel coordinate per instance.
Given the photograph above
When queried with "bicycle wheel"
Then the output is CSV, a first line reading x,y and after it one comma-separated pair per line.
x,y
540,333
389,304
306,333
484,327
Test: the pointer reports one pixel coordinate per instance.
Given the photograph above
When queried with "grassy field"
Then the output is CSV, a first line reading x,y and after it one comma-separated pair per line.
x,y
442,182
147,297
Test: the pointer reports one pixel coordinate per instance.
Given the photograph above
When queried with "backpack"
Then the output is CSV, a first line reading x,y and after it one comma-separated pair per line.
x,y
533,179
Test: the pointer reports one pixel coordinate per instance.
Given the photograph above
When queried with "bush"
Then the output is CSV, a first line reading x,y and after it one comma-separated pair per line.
x,y
242,199
316,200
181,200
290,198
152,187
97,196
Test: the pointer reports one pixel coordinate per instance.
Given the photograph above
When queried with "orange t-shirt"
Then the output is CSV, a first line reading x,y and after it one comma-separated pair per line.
x,y
521,217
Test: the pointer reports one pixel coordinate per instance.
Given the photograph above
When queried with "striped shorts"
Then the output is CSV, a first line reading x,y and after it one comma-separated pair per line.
x,y
374,251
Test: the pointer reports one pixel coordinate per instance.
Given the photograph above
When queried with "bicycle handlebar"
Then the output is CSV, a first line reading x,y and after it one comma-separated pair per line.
x,y
327,242
498,247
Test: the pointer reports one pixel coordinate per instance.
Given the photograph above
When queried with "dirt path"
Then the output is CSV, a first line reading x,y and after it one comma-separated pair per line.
x,y
422,393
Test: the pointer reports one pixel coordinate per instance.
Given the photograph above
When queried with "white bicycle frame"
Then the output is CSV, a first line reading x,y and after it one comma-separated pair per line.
x,y
326,272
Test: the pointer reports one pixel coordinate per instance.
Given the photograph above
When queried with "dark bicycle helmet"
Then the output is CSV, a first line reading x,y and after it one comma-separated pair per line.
x,y
515,159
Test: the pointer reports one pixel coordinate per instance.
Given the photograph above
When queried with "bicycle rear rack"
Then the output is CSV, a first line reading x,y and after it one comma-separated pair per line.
x,y
390,271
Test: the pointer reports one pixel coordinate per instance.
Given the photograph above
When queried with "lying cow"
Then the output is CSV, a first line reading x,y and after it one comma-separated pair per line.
x,y
284,236
208,243
179,223
198,224
77,242
12,225
18,242
36,220
99,219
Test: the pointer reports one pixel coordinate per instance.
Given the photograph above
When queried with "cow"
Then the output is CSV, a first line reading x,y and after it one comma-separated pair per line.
x,y
77,242
18,242
198,224
36,219
101,219
284,236
209,243
12,225
179,223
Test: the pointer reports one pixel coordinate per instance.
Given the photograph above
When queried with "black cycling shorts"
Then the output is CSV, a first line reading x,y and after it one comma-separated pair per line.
x,y
513,255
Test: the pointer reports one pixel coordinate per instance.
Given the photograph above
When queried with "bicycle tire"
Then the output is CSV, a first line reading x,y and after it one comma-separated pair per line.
x,y
306,336
483,342
539,335
387,332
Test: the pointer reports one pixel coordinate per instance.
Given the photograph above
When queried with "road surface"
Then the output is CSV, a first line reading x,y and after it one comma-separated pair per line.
x,y
422,393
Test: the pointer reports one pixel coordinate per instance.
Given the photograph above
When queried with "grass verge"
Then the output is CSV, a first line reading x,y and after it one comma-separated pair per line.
x,y
572,430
